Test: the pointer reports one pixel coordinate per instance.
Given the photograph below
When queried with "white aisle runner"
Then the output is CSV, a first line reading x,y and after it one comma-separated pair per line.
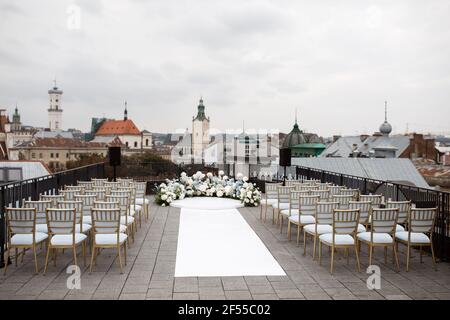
x,y
221,243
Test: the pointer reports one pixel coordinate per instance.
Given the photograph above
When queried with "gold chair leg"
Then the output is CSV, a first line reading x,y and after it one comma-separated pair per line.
x,y
83,248
46,258
289,230
433,257
315,247
120,259
298,235
408,257
370,254
332,260
320,252
35,259
357,259
394,248
75,255
6,260
92,258
281,223
125,252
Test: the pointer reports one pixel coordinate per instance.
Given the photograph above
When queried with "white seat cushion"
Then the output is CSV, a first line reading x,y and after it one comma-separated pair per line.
x,y
42,227
86,227
123,228
141,201
67,239
321,228
27,239
269,201
399,228
361,228
109,239
282,205
304,219
378,237
416,237
340,239
129,218
136,208
87,219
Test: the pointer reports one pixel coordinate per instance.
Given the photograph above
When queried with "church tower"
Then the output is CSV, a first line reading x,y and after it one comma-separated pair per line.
x,y
16,124
200,133
55,111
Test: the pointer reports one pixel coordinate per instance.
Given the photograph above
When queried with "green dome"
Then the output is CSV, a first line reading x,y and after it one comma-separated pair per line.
x,y
295,137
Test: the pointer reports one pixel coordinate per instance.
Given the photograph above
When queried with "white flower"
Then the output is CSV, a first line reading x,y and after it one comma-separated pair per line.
x,y
164,197
221,173
249,194
163,205
219,194
239,176
209,175
245,179
183,174
225,177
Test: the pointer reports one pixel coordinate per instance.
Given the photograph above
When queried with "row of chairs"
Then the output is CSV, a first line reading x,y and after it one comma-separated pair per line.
x,y
70,220
357,217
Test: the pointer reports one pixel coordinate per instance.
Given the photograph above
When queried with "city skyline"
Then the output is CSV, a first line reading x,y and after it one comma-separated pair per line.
x,y
256,62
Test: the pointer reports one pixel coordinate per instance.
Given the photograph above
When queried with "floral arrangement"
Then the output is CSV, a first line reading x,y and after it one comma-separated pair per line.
x,y
208,185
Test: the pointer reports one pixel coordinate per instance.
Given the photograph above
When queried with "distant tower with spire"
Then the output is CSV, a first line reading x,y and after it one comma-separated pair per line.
x,y
16,124
55,110
200,133
125,112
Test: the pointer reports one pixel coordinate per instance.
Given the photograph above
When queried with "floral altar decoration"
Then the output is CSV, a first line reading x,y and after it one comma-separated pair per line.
x,y
208,185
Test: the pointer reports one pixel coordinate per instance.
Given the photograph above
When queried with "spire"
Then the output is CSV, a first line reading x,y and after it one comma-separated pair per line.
x,y
125,113
385,127
200,111
295,115
385,111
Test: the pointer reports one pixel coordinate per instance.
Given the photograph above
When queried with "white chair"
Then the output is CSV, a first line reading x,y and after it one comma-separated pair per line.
x,y
382,233
283,196
98,182
54,198
135,209
375,199
141,199
305,216
294,205
324,221
420,232
22,234
69,193
269,197
126,219
61,228
41,213
106,229
100,195
88,202
365,207
291,183
345,225
324,194
350,192
80,226
404,210
344,200
85,184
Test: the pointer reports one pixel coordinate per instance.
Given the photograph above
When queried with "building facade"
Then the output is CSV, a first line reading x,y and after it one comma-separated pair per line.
x,y
200,133
55,110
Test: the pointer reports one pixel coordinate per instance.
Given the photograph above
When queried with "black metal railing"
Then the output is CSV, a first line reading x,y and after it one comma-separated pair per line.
x,y
14,193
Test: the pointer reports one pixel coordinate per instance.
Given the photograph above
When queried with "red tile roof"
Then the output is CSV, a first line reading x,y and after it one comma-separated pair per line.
x,y
118,127
60,142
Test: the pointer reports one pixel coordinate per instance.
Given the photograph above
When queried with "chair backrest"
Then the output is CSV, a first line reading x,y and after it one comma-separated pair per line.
x,y
384,220
124,202
323,194
86,184
334,190
404,209
324,212
271,190
106,205
343,200
141,189
106,220
54,198
308,204
422,220
99,194
375,199
294,201
291,183
345,221
71,204
284,193
41,209
302,187
124,182
112,185
364,210
350,192
61,221
69,194
21,220
98,182
128,190
323,186
87,200
80,189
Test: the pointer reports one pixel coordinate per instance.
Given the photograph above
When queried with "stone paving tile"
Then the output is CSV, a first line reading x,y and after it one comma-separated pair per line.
x,y
149,273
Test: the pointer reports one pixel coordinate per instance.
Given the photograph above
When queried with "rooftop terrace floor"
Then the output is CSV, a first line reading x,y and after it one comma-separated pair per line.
x,y
149,273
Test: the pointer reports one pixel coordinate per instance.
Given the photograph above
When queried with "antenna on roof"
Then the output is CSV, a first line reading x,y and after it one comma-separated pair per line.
x,y
125,113
385,110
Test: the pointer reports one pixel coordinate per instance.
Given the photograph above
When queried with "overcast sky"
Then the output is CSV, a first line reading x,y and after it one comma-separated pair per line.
x,y
336,61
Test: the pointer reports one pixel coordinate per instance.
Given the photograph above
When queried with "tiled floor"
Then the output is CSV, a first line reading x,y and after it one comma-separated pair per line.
x,y
149,273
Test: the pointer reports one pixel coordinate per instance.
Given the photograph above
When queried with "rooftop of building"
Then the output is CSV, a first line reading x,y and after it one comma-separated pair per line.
x,y
118,127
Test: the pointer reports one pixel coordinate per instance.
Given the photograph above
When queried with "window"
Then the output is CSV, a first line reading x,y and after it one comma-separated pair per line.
x,y
67,156
51,155
135,144
33,155
146,142
126,144
57,155
40,155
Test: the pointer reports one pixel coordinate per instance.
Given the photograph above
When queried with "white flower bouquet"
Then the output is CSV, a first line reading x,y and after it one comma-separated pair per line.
x,y
208,185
